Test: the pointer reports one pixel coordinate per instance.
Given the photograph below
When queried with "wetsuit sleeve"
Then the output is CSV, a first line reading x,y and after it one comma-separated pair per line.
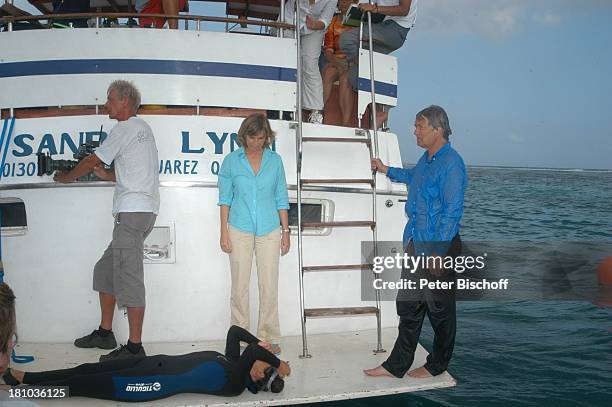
x,y
264,355
255,352
252,353
235,335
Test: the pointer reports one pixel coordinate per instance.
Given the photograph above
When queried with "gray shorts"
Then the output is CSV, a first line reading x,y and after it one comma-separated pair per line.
x,y
120,270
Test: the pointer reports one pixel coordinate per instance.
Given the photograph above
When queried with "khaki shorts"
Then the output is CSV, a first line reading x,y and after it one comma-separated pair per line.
x,y
120,271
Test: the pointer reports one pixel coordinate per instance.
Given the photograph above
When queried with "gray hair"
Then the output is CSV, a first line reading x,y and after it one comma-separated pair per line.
x,y
437,118
124,90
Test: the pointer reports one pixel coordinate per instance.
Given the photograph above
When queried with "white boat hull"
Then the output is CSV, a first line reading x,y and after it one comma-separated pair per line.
x,y
50,266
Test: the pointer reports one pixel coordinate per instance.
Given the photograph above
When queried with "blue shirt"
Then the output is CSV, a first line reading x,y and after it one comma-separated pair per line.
x,y
254,201
435,199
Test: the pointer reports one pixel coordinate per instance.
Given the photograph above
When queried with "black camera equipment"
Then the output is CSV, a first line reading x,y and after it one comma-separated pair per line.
x,y
47,165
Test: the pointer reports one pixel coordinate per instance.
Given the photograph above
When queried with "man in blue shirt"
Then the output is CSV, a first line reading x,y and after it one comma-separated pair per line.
x,y
434,208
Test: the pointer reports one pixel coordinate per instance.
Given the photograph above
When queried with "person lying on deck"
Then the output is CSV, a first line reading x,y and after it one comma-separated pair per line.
x,y
157,377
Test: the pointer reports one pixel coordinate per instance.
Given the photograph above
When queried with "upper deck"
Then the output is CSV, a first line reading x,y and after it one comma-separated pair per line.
x,y
199,66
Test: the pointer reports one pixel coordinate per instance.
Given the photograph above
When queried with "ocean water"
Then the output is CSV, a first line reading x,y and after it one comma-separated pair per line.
x,y
528,353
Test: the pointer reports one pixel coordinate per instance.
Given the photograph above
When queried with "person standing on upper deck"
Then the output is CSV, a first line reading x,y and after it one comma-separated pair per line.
x,y
387,36
253,203
315,16
335,61
168,7
119,274
434,208
71,7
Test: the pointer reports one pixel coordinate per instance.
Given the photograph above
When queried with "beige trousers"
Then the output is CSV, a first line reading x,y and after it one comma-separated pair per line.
x,y
267,253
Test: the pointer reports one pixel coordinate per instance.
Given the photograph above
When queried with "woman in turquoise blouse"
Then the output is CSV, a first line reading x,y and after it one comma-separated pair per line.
x,y
254,206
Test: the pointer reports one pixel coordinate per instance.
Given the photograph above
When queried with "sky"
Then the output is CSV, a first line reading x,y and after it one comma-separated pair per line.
x,y
526,83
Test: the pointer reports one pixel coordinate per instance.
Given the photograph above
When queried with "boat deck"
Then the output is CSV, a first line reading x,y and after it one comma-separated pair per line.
x,y
333,373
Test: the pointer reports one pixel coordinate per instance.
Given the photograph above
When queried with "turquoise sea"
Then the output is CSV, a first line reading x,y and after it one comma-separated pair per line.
x,y
528,353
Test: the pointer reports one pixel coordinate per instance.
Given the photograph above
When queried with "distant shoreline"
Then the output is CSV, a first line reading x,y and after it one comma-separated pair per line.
x,y
504,167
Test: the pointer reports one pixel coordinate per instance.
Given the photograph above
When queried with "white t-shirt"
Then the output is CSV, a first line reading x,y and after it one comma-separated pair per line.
x,y
321,10
131,145
406,21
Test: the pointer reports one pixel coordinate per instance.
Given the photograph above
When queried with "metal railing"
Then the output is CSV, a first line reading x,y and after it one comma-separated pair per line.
x,y
99,16
374,151
298,159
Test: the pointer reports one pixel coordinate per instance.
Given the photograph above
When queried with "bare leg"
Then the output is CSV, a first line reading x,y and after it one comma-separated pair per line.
x,y
419,373
381,118
347,97
377,372
171,7
330,74
135,321
107,308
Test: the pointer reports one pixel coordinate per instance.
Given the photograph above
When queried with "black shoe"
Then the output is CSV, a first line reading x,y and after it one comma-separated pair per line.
x,y
123,352
10,379
95,340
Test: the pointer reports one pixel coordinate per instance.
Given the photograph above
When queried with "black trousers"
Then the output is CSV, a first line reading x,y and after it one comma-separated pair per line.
x,y
440,307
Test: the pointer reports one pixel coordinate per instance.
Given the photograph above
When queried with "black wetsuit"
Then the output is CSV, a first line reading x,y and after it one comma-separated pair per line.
x,y
160,376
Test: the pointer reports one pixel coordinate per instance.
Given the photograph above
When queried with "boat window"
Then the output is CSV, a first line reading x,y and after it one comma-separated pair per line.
x,y
13,217
310,213
313,210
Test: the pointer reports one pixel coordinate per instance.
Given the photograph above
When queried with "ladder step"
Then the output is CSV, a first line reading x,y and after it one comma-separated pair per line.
x,y
348,224
368,181
337,312
338,267
338,139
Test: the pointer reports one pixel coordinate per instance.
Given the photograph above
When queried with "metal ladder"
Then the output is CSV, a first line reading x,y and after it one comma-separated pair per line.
x,y
307,313
371,141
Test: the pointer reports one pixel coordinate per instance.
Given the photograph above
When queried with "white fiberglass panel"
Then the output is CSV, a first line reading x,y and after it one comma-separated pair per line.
x,y
181,90
385,75
191,148
140,43
193,68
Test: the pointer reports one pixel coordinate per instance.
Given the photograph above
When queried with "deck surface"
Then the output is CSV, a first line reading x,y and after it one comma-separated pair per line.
x,y
333,373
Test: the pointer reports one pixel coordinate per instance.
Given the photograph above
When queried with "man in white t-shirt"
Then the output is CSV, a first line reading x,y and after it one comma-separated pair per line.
x,y
387,36
119,275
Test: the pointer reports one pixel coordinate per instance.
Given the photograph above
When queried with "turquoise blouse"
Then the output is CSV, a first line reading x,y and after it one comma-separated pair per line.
x,y
254,201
